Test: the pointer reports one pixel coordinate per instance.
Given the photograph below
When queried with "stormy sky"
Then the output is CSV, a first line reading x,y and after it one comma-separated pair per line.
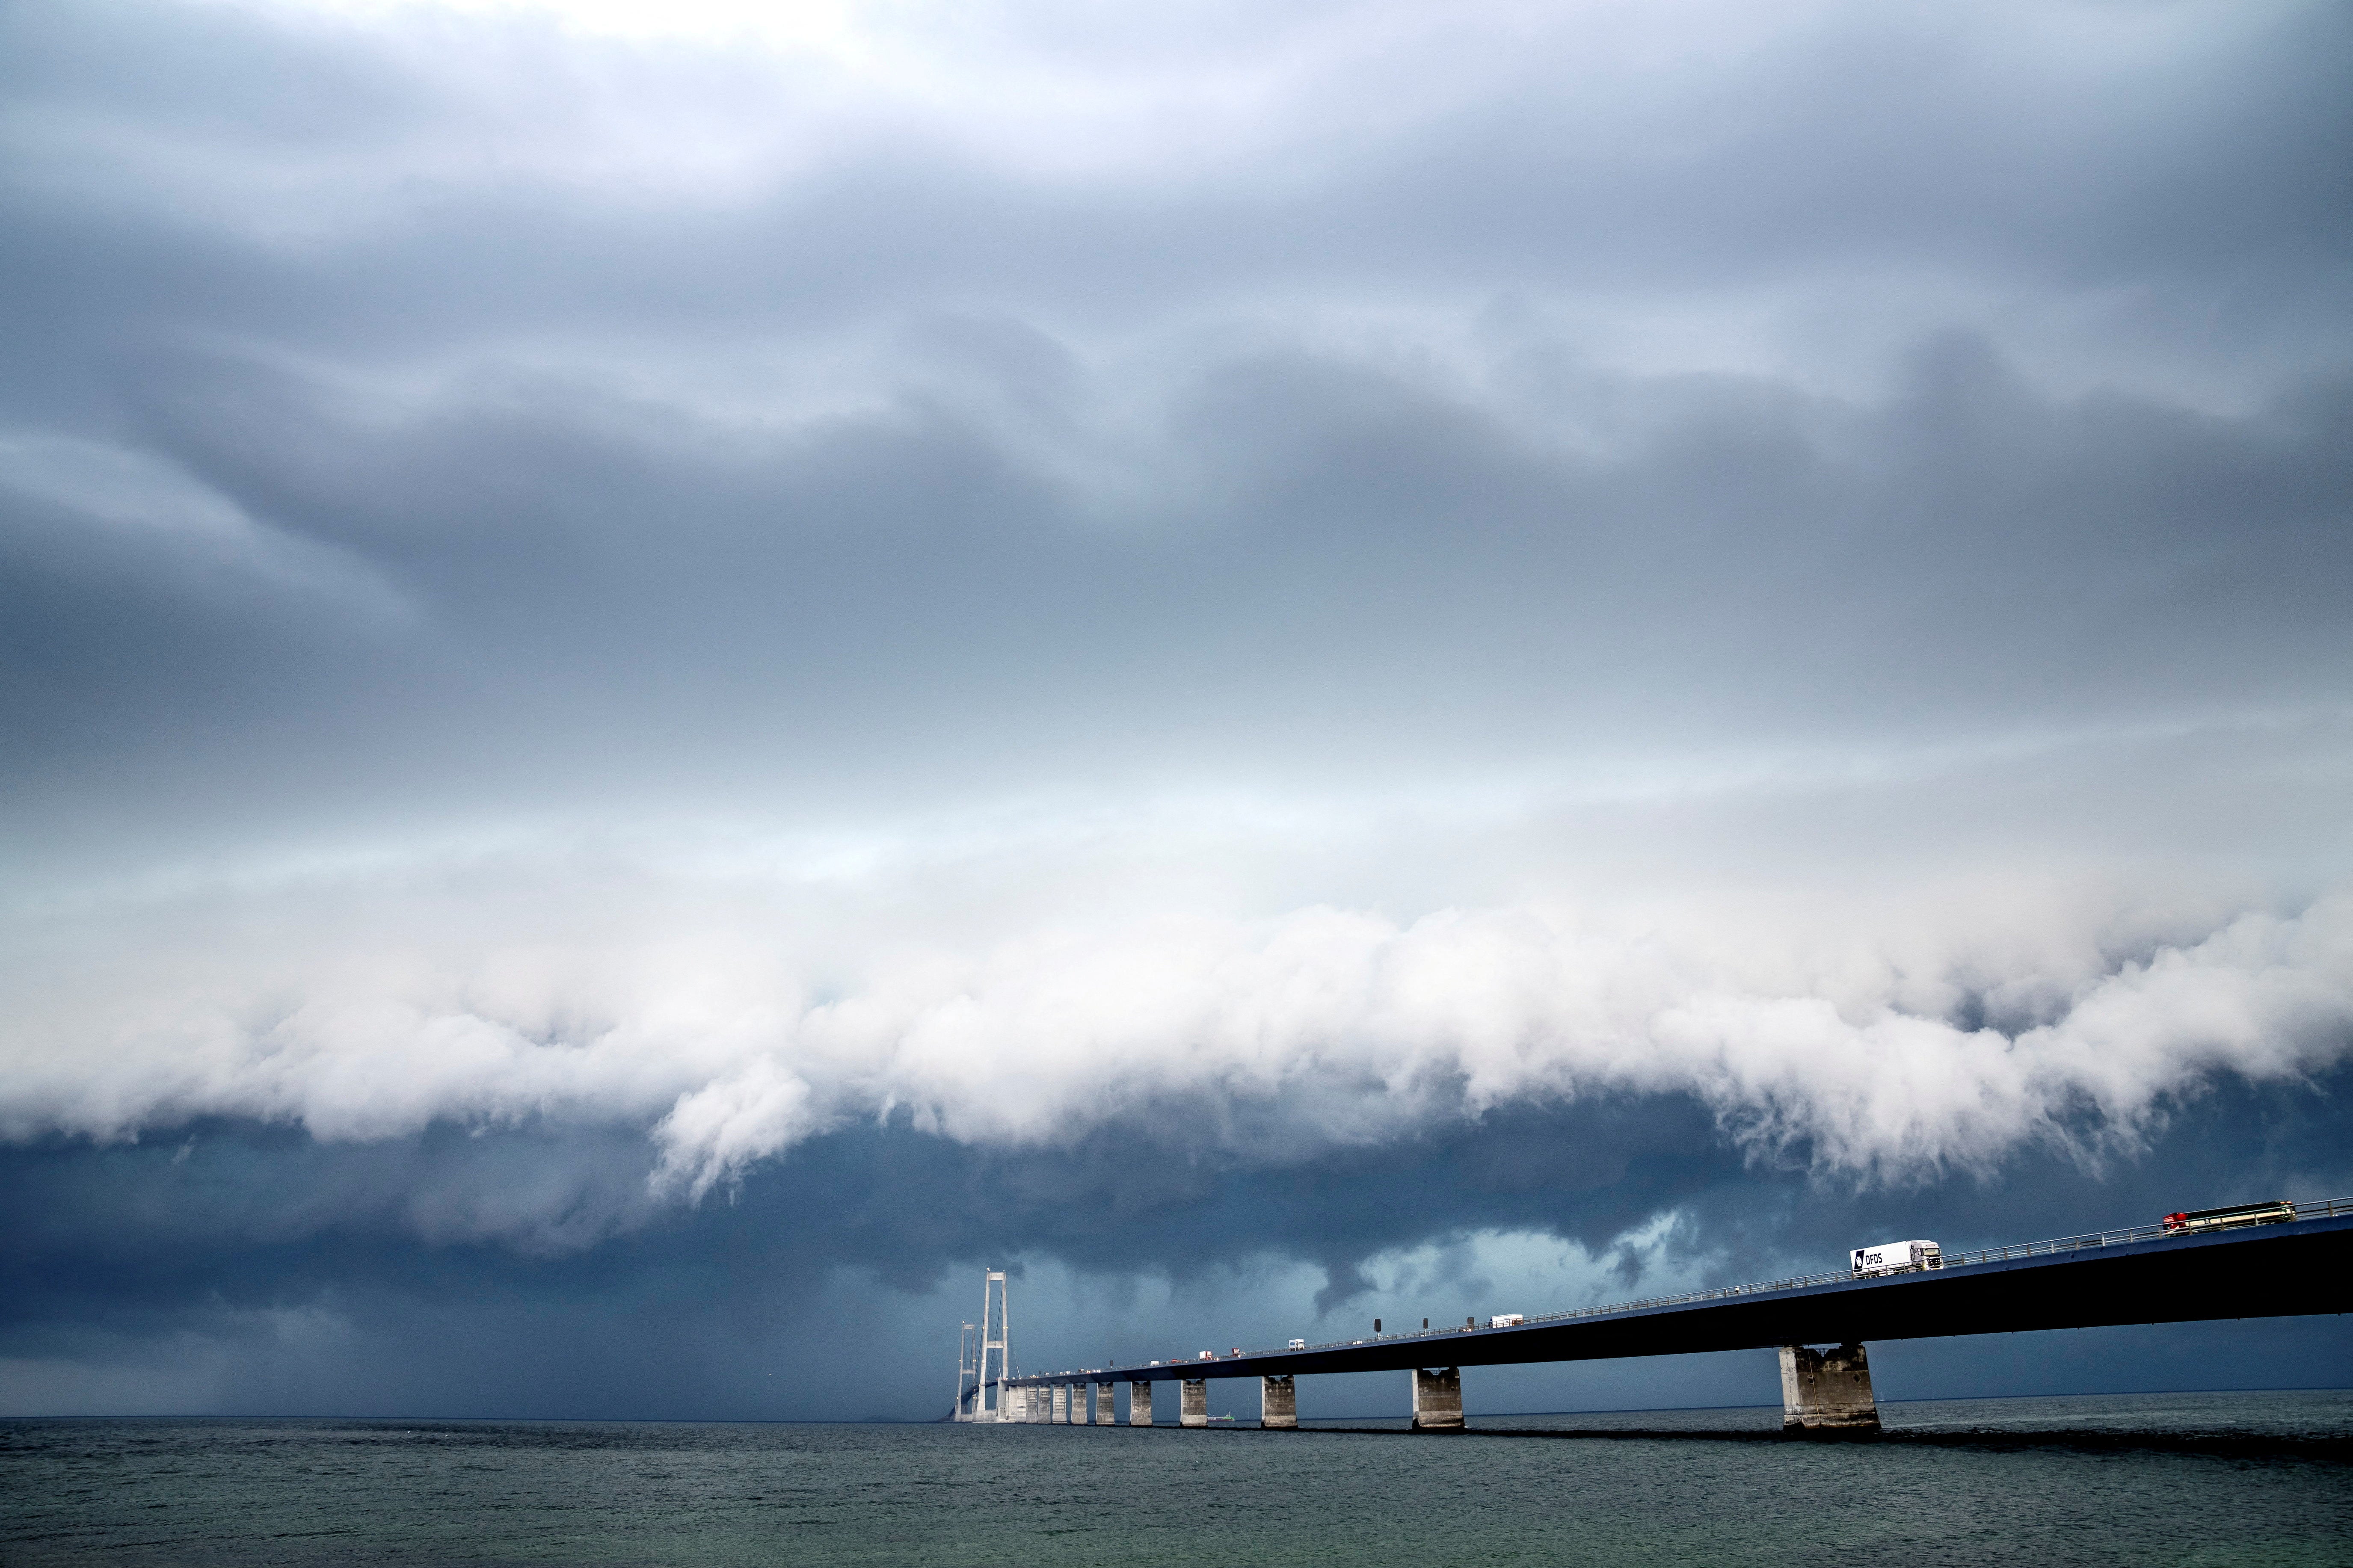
x,y
672,674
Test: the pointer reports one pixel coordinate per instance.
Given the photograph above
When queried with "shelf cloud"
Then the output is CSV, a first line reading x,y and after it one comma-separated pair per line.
x,y
1937,1042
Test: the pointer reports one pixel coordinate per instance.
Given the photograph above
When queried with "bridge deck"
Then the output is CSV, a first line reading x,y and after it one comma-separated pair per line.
x,y
2293,1269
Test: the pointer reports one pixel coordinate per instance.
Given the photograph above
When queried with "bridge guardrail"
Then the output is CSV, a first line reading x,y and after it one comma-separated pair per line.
x,y
2319,1208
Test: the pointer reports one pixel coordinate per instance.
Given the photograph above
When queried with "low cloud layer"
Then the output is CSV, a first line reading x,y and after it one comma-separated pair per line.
x,y
1937,1040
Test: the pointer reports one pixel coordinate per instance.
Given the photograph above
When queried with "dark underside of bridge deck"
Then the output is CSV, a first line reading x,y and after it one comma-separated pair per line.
x,y
2296,1269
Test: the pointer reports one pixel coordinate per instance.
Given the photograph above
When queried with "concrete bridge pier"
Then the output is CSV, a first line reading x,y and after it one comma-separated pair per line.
x,y
1139,1404
1061,1416
1438,1400
1277,1403
1193,1410
1107,1410
1827,1391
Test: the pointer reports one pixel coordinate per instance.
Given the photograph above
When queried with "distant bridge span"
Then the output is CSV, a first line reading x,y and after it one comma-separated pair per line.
x,y
2296,1268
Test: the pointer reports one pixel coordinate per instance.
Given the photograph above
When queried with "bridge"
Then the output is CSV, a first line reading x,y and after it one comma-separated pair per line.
x,y
2143,1275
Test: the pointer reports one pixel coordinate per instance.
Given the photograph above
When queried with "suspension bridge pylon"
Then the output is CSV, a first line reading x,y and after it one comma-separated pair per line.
x,y
983,1359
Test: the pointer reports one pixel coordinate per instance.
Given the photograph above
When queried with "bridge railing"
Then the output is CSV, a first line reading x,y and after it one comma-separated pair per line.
x,y
2319,1208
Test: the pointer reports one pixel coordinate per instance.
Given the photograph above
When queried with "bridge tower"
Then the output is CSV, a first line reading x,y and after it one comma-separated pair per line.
x,y
967,1376
995,1334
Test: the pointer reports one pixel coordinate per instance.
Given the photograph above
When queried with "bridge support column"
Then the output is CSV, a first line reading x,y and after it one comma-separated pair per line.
x,y
1193,1410
1278,1402
1061,1416
1827,1391
1438,1400
1106,1409
1139,1404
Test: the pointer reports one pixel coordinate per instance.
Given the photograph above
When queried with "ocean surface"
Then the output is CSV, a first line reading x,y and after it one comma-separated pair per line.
x,y
2140,1479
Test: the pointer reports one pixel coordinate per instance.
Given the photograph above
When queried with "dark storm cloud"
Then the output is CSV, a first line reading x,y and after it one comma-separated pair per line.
x,y
1865,496
582,564
1755,563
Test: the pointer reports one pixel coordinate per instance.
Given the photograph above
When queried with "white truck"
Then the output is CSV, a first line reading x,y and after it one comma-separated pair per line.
x,y
1506,1321
1896,1258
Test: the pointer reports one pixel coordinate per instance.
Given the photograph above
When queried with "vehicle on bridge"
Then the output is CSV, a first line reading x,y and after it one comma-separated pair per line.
x,y
2223,1219
1506,1321
1896,1258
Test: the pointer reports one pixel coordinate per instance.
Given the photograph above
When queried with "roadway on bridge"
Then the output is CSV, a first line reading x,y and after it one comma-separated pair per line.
x,y
2296,1268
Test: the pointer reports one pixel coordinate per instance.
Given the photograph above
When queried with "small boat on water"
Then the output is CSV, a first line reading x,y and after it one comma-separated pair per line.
x,y
1225,1417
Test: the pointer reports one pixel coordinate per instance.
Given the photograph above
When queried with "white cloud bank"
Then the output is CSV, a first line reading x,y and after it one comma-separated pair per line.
x,y
730,1021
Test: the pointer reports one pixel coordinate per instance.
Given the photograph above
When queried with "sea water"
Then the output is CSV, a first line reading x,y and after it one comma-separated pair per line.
x,y
2192,1478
